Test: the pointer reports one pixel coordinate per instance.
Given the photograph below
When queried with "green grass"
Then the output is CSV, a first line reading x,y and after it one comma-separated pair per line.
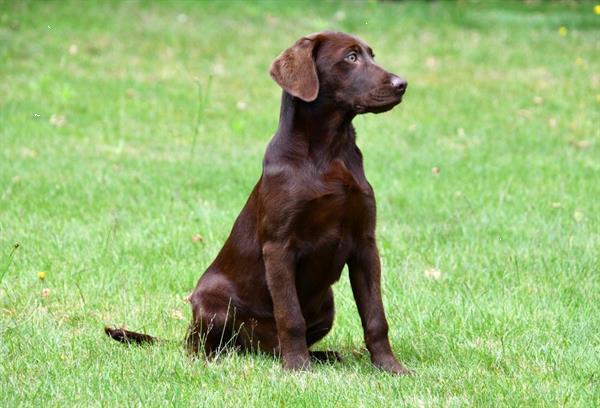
x,y
167,109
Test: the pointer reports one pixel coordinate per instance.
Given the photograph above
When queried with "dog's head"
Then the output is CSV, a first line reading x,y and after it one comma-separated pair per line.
x,y
340,68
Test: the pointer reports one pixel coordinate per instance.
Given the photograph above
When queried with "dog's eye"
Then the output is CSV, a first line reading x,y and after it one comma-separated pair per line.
x,y
351,57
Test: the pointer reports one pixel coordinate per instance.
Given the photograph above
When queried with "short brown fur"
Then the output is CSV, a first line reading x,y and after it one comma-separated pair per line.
x,y
311,212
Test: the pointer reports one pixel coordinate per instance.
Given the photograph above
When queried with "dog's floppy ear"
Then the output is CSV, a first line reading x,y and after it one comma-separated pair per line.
x,y
295,70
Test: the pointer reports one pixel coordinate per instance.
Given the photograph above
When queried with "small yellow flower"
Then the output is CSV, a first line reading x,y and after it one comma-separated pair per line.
x,y
562,31
42,275
597,9
579,61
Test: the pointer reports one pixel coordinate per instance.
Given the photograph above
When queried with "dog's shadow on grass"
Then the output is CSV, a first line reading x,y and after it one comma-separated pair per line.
x,y
342,361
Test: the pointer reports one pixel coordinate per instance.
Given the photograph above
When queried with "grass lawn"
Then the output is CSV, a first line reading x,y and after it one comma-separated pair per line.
x,y
131,134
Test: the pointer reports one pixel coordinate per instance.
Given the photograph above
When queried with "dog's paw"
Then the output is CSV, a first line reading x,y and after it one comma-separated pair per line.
x,y
296,362
391,365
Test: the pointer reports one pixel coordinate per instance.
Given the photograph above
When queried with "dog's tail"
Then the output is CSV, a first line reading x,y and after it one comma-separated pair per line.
x,y
129,337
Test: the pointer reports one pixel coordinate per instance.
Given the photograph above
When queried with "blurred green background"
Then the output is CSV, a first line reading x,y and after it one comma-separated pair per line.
x,y
131,134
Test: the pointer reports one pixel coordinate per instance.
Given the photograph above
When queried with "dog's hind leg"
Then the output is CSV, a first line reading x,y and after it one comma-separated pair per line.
x,y
211,332
316,332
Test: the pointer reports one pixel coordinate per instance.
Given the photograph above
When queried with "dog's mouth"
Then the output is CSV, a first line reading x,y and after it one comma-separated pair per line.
x,y
378,102
378,107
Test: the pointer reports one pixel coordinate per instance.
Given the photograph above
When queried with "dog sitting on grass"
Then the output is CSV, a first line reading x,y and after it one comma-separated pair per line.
x,y
311,212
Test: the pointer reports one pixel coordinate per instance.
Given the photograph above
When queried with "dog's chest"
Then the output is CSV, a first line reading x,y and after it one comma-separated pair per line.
x,y
338,175
335,206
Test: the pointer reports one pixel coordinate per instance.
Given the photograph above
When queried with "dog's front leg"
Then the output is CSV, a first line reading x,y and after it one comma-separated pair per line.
x,y
365,277
291,327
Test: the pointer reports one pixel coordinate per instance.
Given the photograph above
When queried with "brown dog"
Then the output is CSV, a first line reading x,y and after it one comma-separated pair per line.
x,y
311,212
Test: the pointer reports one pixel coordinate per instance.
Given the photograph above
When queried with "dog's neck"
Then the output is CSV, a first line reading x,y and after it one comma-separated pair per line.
x,y
316,129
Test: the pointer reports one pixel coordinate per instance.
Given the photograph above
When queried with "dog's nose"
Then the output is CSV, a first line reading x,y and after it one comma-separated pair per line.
x,y
399,83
